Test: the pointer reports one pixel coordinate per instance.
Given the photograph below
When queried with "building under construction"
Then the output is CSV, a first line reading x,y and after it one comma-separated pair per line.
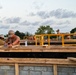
x,y
50,54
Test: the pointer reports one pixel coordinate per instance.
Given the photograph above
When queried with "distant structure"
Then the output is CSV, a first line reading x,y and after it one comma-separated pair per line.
x,y
74,36
58,31
29,37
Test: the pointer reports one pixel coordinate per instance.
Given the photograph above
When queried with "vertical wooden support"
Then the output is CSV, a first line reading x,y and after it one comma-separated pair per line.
x,y
57,37
63,40
35,41
42,40
48,40
16,69
55,69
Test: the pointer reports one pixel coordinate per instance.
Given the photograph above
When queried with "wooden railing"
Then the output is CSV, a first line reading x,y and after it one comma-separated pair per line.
x,y
58,37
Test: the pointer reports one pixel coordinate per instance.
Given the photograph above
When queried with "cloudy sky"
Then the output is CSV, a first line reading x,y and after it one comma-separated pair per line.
x,y
28,15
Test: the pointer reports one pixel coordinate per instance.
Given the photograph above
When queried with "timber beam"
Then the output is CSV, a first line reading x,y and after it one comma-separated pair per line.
x,y
45,61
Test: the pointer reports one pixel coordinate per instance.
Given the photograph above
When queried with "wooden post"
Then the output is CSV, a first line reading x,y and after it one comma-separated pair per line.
x,y
16,69
42,40
48,40
55,69
63,40
35,41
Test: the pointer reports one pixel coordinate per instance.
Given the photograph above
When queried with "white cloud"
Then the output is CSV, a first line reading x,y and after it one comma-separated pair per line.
x,y
1,7
13,20
4,27
25,23
59,13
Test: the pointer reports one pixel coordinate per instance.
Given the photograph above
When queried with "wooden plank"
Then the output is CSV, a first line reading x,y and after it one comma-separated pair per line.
x,y
29,48
47,65
45,61
55,69
49,49
69,51
16,69
71,59
60,50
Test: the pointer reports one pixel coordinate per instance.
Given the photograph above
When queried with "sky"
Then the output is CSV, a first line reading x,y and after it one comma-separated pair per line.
x,y
29,15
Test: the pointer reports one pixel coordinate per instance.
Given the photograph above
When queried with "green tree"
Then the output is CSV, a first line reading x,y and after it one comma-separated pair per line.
x,y
44,30
20,34
73,30
28,34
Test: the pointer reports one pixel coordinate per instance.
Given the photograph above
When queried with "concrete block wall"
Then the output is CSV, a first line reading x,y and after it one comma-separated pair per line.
x,y
25,70
7,70
66,70
37,70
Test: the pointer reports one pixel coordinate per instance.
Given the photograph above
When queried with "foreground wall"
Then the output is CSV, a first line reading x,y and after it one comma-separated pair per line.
x,y
37,66
38,70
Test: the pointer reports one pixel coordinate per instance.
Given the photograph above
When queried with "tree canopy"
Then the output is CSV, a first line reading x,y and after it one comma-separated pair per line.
x,y
21,34
41,30
44,30
73,30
